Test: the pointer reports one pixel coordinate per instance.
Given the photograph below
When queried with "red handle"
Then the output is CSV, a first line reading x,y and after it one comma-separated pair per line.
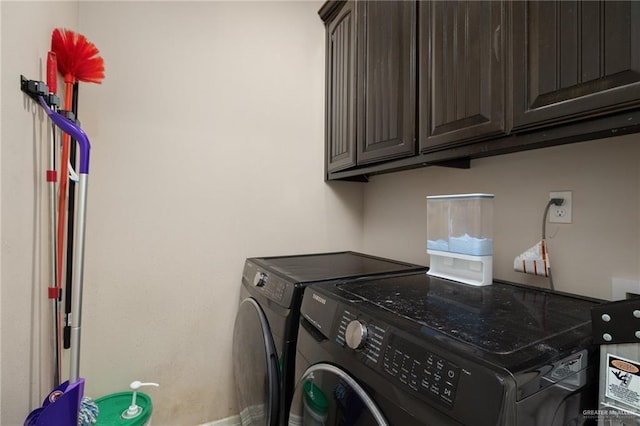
x,y
52,72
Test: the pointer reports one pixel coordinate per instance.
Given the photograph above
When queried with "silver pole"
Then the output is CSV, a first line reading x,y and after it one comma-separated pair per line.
x,y
78,267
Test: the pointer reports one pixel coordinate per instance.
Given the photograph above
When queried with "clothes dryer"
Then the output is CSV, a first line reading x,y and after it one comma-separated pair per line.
x,y
418,350
266,326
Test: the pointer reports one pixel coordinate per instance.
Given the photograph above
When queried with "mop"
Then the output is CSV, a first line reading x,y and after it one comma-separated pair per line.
x,y
64,406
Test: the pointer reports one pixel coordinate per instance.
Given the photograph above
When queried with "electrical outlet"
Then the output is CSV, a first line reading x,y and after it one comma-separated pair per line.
x,y
563,213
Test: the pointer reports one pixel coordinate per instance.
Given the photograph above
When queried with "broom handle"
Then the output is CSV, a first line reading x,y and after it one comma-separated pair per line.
x,y
64,178
70,225
52,83
78,265
53,286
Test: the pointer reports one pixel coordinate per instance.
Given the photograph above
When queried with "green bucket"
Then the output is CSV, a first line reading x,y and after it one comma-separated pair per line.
x,y
316,405
112,406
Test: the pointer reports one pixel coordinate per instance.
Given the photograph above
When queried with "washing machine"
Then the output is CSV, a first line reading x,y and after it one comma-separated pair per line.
x,y
266,326
420,350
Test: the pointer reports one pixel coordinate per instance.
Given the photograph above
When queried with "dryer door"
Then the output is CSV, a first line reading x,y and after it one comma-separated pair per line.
x,y
255,366
327,395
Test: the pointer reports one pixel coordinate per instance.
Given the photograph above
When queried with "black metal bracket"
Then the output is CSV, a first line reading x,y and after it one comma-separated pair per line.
x,y
36,89
616,322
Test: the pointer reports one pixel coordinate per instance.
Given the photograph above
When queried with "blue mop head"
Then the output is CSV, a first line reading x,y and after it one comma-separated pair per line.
x,y
88,414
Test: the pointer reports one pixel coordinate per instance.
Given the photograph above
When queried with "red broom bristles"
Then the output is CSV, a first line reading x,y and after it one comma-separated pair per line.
x,y
78,58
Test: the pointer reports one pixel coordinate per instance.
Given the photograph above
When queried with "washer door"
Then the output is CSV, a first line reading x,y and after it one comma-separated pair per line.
x,y
327,395
255,366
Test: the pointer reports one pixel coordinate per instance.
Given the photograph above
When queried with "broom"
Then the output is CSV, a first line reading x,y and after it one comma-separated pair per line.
x,y
77,60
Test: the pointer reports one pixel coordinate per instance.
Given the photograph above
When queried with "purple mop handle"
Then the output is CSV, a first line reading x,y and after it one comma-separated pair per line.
x,y
74,131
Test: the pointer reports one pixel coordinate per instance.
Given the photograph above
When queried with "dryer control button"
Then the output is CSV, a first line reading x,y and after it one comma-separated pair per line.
x,y
259,279
356,334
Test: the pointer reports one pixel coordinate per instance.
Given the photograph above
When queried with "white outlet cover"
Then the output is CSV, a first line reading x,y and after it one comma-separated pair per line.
x,y
563,213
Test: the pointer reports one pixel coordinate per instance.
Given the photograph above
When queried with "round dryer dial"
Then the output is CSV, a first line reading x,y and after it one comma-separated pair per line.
x,y
356,334
260,279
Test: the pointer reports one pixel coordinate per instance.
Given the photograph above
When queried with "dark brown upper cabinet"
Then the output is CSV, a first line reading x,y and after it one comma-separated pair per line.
x,y
462,72
340,114
573,60
418,83
386,80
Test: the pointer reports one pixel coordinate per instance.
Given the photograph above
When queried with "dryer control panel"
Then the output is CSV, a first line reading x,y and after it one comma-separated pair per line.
x,y
423,371
407,364
362,334
269,285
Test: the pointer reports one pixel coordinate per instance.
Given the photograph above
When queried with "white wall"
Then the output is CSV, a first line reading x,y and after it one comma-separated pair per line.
x,y
207,148
602,243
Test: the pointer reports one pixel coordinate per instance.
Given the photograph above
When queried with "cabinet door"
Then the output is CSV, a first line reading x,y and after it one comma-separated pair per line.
x,y
462,73
574,59
386,86
340,131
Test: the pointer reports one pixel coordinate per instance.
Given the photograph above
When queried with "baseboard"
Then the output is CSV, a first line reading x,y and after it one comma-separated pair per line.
x,y
228,421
